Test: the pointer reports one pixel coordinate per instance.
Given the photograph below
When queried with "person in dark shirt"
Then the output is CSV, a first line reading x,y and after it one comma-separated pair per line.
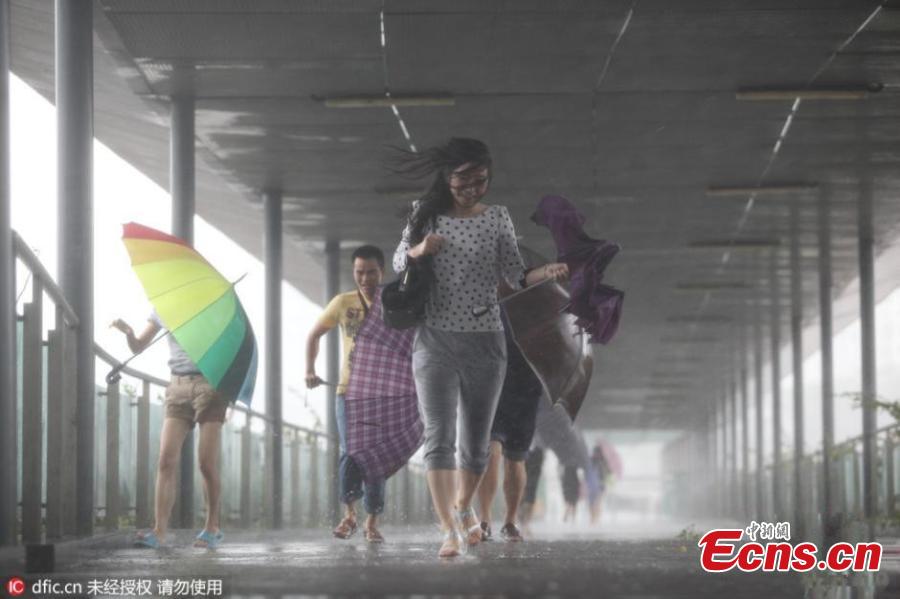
x,y
511,435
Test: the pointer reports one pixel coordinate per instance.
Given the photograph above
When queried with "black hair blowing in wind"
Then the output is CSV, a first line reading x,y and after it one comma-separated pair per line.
x,y
439,161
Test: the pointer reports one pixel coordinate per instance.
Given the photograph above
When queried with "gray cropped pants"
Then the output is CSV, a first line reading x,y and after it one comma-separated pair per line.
x,y
464,369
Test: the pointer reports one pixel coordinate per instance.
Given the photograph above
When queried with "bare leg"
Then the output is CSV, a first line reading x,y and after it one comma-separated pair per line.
x,y
513,488
442,484
171,439
208,457
468,484
488,487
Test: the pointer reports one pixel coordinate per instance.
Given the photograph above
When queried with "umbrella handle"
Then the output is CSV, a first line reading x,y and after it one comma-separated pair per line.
x,y
479,311
114,375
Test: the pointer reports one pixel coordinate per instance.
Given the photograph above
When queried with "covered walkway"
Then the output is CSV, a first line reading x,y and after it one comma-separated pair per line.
x,y
744,153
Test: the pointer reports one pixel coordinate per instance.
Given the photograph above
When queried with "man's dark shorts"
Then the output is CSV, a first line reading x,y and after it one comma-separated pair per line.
x,y
514,421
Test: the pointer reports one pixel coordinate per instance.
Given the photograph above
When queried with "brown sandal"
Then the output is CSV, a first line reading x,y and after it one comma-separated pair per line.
x,y
373,536
486,534
346,529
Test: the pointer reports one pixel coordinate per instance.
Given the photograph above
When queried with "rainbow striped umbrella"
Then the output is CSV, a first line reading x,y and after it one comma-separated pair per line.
x,y
198,306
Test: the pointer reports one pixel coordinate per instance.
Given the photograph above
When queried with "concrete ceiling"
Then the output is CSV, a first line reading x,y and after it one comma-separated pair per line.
x,y
628,108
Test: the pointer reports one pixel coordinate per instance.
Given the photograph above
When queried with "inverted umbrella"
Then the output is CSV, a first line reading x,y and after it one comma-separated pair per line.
x,y
597,306
551,341
383,425
198,306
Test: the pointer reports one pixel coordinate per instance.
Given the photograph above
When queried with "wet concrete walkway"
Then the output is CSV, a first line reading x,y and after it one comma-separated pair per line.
x,y
649,562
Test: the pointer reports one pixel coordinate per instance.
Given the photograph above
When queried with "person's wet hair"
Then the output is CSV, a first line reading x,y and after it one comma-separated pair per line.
x,y
368,252
439,161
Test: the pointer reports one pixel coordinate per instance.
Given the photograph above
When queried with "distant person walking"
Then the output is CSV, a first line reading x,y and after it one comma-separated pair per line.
x,y
511,435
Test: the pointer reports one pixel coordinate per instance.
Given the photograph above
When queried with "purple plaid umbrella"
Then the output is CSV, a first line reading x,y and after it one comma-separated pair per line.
x,y
383,425
597,307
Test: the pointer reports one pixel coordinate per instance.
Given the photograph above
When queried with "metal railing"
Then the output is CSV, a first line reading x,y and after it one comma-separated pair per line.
x,y
129,416
693,491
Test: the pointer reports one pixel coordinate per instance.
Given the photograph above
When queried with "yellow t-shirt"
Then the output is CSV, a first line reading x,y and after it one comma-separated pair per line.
x,y
347,311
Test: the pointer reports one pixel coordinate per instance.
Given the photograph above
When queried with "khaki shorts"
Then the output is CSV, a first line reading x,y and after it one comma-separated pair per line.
x,y
190,397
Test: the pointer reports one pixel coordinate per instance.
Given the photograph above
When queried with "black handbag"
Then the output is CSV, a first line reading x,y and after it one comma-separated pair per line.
x,y
403,300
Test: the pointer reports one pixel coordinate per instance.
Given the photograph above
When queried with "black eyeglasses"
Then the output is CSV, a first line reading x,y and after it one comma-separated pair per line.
x,y
470,183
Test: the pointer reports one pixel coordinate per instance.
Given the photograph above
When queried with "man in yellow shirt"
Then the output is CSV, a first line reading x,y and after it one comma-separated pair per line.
x,y
348,310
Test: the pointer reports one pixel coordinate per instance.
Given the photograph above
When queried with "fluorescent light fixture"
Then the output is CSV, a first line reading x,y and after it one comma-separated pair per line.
x,y
672,373
664,398
680,340
713,286
677,360
766,94
700,318
744,191
622,408
675,377
735,244
670,386
746,301
384,101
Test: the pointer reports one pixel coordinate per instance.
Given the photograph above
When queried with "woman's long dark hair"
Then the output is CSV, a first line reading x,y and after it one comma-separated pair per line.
x,y
439,161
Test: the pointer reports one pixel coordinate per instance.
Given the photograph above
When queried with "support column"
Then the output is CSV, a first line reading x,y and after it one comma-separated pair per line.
x,y
745,429
867,322
718,439
182,186
775,338
797,361
273,256
726,461
407,495
709,464
758,389
8,418
75,127
333,371
826,334
734,481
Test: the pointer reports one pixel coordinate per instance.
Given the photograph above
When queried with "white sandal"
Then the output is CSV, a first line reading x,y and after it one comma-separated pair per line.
x,y
450,535
473,533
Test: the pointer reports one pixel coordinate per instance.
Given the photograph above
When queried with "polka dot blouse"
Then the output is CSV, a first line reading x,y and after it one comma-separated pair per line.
x,y
477,252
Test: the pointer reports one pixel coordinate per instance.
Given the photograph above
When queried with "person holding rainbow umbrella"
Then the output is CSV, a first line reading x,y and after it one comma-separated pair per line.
x,y
213,362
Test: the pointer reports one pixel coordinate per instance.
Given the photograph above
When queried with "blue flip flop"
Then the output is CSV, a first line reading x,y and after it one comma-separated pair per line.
x,y
147,539
212,540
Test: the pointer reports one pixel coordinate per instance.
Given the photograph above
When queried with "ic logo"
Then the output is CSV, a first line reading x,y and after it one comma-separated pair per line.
x,y
15,587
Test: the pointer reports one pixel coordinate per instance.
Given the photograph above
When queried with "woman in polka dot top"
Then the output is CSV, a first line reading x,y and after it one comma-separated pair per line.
x,y
459,360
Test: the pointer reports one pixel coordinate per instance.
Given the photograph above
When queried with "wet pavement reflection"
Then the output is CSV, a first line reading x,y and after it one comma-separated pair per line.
x,y
553,562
